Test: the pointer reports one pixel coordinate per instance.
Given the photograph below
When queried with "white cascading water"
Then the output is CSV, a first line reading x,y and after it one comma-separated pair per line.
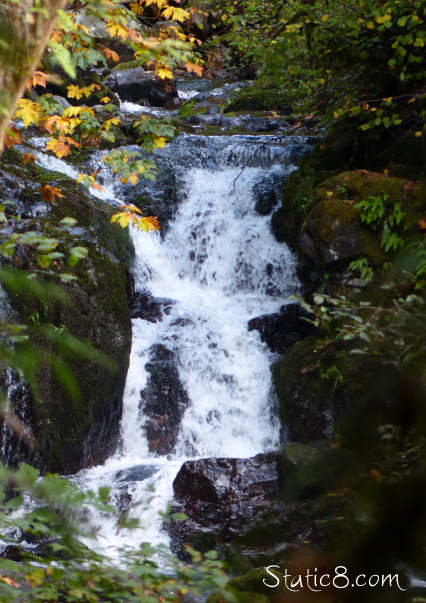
x,y
221,265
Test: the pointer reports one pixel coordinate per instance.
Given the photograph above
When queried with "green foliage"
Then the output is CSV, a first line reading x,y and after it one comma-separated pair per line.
x,y
375,212
62,568
363,265
393,333
356,59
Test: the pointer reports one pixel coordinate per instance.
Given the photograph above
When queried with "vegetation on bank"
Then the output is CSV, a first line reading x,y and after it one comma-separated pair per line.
x,y
353,212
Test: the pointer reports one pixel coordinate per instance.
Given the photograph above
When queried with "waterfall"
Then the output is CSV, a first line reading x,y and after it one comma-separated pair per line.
x,y
218,265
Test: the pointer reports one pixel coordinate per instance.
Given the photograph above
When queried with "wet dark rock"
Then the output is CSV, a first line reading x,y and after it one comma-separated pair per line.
x,y
139,473
76,432
137,85
281,330
144,305
163,401
267,193
260,124
220,497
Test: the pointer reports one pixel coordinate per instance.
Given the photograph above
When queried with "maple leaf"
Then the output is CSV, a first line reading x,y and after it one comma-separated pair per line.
x,y
164,73
29,158
61,146
159,142
422,224
105,99
111,54
114,121
116,30
148,223
13,136
136,8
28,111
74,92
195,67
133,177
74,111
39,78
50,193
175,13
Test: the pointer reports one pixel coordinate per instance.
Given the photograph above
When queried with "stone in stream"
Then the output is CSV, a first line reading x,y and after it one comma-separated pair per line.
x,y
281,330
137,85
163,401
221,497
144,305
138,473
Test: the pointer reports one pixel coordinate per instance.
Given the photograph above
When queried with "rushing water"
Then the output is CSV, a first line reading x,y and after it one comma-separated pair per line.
x,y
220,263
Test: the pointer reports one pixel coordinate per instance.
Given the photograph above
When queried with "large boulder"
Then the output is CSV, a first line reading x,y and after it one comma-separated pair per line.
x,y
221,498
77,431
163,400
138,86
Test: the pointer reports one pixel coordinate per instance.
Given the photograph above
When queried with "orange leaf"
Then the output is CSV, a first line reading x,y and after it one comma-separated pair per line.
x,y
111,54
422,223
29,158
50,193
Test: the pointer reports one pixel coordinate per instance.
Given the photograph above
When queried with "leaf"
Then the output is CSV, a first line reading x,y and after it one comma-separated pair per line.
x,y
77,254
111,54
116,30
194,67
28,158
61,146
175,13
164,73
28,111
148,223
63,57
50,193
39,78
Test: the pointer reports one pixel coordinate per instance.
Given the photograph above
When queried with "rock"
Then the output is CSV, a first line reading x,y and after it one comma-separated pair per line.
x,y
62,101
267,193
260,124
137,84
163,401
144,305
282,330
139,473
221,498
310,470
74,432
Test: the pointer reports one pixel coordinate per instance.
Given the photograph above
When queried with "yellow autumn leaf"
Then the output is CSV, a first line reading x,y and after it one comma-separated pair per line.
x,y
74,111
159,142
133,177
164,73
28,111
114,121
175,13
148,223
116,30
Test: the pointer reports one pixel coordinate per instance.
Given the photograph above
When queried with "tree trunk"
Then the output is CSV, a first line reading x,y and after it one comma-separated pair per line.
x,y
25,27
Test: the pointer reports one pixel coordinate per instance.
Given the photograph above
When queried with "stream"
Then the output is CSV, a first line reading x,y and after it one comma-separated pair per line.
x,y
199,383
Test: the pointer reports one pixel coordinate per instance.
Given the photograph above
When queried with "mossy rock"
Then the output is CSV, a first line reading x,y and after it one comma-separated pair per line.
x,y
74,432
252,581
309,470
